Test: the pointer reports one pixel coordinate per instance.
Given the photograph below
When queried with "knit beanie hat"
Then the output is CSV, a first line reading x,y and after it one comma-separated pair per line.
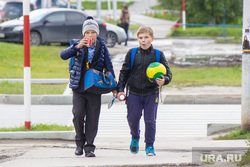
x,y
90,24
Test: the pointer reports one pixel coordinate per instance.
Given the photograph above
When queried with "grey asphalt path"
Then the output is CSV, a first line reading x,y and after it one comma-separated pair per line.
x,y
161,28
111,152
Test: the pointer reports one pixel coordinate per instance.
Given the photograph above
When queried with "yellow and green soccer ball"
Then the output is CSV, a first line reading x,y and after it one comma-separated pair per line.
x,y
155,70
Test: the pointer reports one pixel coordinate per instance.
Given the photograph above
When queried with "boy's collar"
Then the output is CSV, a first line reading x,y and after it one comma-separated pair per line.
x,y
148,50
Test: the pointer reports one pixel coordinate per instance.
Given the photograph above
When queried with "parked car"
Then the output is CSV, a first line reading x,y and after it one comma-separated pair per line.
x,y
52,25
12,9
115,35
54,3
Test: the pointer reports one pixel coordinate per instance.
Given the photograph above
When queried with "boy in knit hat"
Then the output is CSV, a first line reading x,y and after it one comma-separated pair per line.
x,y
86,105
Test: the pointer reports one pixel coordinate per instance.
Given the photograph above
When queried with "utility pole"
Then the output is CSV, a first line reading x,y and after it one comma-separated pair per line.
x,y
183,15
49,4
43,3
109,10
115,10
98,8
68,5
245,98
79,5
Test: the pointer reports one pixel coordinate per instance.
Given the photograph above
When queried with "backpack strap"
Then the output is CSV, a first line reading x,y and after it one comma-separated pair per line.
x,y
72,59
157,55
133,57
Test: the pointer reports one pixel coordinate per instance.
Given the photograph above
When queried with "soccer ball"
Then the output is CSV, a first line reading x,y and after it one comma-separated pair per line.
x,y
155,70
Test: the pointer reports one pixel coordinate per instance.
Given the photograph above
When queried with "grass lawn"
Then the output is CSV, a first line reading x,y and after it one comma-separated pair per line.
x,y
213,76
235,33
46,63
91,5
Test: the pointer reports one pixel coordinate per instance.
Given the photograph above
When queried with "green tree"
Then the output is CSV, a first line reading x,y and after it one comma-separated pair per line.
x,y
208,11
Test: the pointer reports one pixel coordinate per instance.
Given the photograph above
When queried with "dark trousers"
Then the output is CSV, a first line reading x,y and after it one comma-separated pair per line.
x,y
86,111
126,26
135,105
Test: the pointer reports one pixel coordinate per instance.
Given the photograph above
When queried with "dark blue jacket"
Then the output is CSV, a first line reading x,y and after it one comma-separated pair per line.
x,y
100,60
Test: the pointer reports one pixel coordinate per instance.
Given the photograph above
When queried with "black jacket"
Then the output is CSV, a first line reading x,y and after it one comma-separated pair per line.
x,y
138,83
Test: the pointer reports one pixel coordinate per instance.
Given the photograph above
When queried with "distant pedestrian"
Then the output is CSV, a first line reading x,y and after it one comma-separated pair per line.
x,y
143,94
89,52
125,18
245,43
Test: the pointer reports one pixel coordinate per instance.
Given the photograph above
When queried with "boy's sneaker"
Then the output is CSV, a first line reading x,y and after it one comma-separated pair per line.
x,y
150,151
134,146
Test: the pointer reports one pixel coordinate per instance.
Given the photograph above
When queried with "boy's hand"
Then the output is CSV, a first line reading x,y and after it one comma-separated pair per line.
x,y
83,42
160,81
114,93
119,95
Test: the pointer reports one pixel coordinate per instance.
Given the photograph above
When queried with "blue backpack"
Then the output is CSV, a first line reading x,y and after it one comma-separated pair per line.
x,y
157,55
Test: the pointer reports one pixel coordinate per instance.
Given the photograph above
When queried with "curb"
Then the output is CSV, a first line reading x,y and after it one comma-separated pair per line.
x,y
70,135
167,99
63,135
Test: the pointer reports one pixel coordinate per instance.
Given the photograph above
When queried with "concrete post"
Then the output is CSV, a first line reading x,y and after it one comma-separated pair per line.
x,y
49,3
183,15
115,10
68,5
79,5
43,3
245,99
98,9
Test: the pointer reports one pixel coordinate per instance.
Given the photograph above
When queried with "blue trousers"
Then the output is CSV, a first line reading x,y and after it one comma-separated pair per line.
x,y
135,106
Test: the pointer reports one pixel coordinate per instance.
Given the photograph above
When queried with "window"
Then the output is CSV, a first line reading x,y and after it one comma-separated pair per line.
x,y
56,17
74,16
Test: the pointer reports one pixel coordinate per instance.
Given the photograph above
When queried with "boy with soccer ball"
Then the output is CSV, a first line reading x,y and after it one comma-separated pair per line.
x,y
143,94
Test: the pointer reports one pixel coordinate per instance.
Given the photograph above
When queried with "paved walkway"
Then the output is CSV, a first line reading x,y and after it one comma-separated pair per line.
x,y
114,152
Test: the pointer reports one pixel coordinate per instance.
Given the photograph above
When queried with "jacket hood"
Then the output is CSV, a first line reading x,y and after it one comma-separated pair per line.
x,y
125,10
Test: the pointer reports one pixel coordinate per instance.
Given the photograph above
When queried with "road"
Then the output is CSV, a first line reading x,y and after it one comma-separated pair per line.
x,y
172,120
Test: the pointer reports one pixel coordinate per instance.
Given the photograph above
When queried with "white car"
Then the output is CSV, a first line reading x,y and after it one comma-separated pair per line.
x,y
115,35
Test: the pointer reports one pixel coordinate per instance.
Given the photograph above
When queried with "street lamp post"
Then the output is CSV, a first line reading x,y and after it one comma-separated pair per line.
x,y
245,98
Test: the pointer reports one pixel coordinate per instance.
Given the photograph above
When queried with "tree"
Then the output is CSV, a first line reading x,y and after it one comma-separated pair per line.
x,y
208,11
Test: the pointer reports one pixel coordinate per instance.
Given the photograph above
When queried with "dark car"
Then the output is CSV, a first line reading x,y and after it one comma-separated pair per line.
x,y
54,3
53,25
11,9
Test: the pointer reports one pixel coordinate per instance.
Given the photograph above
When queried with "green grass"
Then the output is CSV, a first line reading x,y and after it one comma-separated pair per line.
x,y
235,33
39,127
199,76
45,61
235,134
36,89
91,5
239,134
